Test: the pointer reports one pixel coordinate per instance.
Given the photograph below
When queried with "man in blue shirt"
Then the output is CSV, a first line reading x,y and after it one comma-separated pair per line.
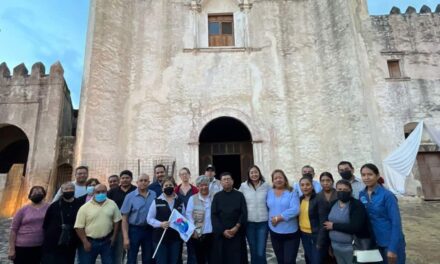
x,y
135,229
308,171
159,173
346,170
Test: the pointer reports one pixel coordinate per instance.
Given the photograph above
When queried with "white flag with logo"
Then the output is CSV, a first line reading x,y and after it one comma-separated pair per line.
x,y
179,223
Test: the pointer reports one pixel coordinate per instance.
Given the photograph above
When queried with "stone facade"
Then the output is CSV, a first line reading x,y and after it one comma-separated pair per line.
x,y
39,106
309,79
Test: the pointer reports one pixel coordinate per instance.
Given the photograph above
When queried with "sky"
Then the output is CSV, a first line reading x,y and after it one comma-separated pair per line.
x,y
55,30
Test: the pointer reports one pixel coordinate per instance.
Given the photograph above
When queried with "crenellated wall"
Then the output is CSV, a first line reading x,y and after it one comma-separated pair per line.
x,y
39,104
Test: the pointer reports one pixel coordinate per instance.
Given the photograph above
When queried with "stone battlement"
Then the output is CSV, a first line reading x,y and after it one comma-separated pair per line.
x,y
20,74
411,10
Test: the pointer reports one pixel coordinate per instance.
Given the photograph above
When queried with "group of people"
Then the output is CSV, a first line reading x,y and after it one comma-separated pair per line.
x,y
86,220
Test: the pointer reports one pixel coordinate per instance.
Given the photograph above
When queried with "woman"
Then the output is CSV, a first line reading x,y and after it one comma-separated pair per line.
x,y
324,199
185,190
60,239
255,191
309,220
90,188
283,204
26,237
199,213
384,215
347,218
158,215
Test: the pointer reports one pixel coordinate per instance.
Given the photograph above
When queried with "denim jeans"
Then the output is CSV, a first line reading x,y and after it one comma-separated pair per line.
x,y
140,237
168,252
99,247
311,252
256,234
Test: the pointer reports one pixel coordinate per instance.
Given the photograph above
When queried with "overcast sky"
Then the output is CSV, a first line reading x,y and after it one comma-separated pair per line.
x,y
55,30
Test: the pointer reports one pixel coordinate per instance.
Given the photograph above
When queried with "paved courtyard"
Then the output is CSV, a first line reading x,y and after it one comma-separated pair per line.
x,y
420,222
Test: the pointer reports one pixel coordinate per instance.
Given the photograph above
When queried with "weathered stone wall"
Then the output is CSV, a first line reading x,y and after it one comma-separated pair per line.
x,y
306,77
34,103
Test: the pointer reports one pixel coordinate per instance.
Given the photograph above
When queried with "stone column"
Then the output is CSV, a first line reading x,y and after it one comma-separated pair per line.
x,y
195,10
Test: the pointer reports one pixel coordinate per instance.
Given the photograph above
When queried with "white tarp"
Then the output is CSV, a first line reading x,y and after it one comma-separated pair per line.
x,y
397,166
433,133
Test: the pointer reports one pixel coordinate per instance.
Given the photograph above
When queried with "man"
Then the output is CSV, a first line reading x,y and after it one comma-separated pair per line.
x,y
229,216
81,175
118,195
308,171
113,181
214,185
346,170
159,174
97,225
135,229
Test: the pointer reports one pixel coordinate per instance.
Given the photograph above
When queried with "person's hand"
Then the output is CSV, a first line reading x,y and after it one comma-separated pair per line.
x,y
87,246
392,257
11,253
227,234
276,219
328,225
165,224
233,230
126,244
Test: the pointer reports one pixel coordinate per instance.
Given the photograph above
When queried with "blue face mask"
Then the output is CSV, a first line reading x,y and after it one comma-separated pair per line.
x,y
100,197
90,189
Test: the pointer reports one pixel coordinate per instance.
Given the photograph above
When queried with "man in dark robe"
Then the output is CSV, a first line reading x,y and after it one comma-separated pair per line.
x,y
229,216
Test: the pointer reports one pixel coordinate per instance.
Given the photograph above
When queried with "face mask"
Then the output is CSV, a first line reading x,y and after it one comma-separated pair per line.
x,y
68,195
36,198
309,175
168,190
344,196
346,175
90,189
100,197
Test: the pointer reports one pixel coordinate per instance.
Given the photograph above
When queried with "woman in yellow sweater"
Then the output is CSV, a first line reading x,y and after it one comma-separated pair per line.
x,y
309,221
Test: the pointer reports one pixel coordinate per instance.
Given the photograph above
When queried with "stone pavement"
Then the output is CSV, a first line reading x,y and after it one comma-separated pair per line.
x,y
420,222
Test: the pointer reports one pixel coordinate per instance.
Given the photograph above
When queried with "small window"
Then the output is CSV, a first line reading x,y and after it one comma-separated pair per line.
x,y
221,30
394,69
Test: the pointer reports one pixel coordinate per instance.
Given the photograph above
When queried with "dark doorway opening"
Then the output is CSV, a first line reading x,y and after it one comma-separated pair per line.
x,y
228,163
14,147
226,143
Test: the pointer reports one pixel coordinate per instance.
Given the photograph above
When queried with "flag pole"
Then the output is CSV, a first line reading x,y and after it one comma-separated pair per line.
x,y
161,238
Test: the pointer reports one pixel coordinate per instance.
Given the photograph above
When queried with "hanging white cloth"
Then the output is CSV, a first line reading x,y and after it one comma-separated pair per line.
x,y
398,165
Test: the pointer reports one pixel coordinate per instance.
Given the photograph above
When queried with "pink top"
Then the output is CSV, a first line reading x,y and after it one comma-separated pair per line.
x,y
28,225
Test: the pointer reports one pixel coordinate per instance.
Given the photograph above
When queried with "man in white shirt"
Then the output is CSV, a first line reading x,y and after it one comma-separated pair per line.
x,y
81,175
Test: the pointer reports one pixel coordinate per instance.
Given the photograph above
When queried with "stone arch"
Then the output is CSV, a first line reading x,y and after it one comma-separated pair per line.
x,y
14,147
254,126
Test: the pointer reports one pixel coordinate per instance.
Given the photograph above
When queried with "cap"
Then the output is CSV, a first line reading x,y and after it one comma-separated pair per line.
x,y
210,167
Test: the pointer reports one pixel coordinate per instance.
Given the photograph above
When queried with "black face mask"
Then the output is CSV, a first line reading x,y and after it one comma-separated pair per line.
x,y
343,196
308,175
68,195
36,198
168,190
346,175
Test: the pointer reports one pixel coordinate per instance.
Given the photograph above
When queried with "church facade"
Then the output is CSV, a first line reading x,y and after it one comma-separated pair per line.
x,y
280,84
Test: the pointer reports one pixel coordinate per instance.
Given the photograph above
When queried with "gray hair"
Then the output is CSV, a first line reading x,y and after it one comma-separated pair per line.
x,y
202,179
67,184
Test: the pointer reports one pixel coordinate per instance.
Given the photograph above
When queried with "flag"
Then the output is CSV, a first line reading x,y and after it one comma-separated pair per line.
x,y
179,223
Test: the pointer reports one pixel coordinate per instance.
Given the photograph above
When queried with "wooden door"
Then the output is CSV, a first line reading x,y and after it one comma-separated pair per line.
x,y
429,167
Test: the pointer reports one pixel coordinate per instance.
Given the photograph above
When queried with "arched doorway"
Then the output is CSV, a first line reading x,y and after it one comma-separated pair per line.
x,y
226,143
14,147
